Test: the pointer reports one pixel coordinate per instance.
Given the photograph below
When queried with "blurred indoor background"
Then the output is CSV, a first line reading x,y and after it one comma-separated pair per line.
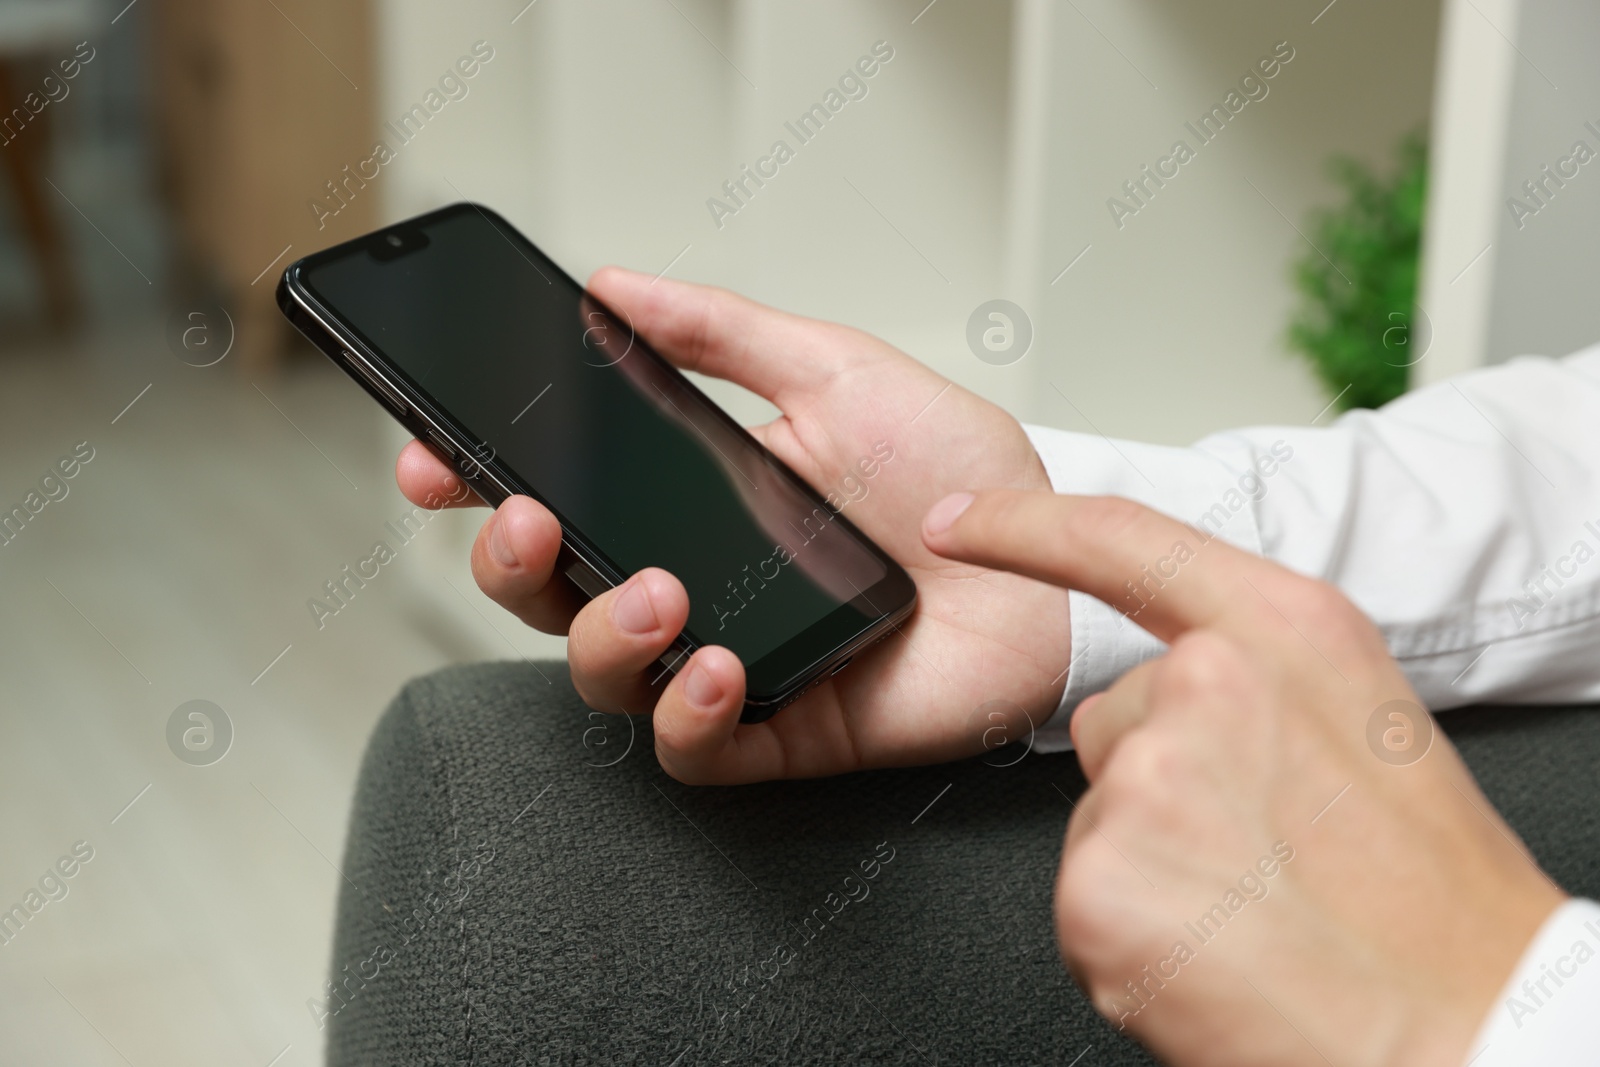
x,y
165,159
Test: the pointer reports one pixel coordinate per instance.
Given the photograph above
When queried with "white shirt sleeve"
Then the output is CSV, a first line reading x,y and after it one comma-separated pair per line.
x,y
1463,518
1549,1011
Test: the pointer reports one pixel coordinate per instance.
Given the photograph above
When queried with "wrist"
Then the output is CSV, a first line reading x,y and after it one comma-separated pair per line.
x,y
1439,1036
1441,1031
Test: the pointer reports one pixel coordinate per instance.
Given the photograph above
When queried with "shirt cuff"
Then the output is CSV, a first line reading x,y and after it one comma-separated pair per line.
x,y
1546,1013
1217,497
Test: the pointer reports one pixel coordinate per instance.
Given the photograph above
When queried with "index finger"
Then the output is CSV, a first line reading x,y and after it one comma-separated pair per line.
x,y
1164,575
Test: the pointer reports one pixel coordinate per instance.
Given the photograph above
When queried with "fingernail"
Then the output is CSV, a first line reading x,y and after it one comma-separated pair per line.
x,y
499,547
701,689
633,610
943,514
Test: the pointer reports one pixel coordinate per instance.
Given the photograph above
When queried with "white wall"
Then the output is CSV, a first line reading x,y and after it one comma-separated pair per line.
x,y
1546,273
981,162
1470,117
1173,325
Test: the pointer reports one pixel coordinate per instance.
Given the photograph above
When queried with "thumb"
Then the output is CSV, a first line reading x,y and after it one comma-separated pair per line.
x,y
778,356
1166,576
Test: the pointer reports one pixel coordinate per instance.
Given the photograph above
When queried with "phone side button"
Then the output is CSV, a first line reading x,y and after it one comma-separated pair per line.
x,y
672,660
389,395
584,577
444,446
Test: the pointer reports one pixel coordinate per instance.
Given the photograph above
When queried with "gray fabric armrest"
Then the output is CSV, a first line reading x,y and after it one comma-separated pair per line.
x,y
525,885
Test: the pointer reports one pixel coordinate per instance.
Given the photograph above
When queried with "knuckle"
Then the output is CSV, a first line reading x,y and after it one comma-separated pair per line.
x,y
838,340
1144,775
676,767
586,642
1089,910
1199,665
591,627
716,329
1108,518
697,330
501,588
1324,611
1081,889
1081,883
665,742
586,692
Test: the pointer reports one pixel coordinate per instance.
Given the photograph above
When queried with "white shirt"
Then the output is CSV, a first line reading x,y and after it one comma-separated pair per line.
x,y
1548,1014
1463,518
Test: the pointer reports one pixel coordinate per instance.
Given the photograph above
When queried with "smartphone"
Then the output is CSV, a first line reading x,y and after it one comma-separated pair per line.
x,y
497,360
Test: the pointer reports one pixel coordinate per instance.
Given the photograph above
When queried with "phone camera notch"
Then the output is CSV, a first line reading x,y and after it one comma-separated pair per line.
x,y
400,241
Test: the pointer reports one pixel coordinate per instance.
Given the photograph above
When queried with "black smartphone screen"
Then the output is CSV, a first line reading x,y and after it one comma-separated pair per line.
x,y
558,392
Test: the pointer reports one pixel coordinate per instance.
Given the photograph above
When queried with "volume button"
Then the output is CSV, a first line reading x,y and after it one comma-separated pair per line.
x,y
389,395
445,446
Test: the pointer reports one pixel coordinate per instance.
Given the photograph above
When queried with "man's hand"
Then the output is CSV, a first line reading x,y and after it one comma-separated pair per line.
x,y
1261,872
976,636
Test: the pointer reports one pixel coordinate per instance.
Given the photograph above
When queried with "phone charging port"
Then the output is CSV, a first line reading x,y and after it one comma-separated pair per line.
x,y
841,665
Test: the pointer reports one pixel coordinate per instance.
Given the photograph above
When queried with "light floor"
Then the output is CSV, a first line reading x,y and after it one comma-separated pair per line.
x,y
178,567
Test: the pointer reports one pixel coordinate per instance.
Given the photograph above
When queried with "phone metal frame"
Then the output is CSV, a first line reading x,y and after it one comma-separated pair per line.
x,y
578,562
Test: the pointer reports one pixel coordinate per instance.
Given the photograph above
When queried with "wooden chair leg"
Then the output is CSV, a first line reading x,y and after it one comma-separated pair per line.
x,y
24,160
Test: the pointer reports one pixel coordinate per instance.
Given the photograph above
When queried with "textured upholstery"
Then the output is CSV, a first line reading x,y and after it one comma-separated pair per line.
x,y
525,887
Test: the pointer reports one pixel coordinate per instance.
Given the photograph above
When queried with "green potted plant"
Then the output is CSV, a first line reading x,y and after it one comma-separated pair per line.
x,y
1358,285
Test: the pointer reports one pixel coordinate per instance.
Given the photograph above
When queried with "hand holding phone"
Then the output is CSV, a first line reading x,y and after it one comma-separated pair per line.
x,y
459,326
982,659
